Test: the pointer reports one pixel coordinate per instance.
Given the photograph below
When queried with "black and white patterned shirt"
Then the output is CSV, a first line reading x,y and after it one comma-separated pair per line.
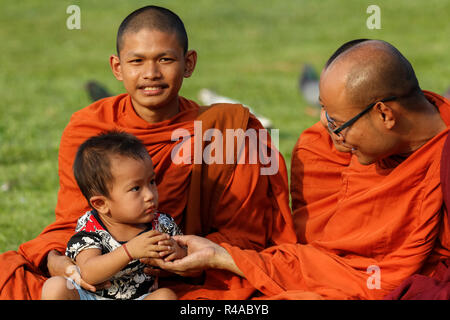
x,y
131,282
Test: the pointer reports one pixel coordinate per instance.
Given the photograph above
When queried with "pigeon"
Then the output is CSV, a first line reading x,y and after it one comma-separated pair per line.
x,y
309,88
208,97
96,91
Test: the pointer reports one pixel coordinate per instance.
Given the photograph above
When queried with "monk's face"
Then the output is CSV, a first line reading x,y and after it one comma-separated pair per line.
x,y
363,138
152,65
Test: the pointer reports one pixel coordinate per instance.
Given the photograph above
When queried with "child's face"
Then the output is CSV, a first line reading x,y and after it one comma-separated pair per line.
x,y
133,197
152,65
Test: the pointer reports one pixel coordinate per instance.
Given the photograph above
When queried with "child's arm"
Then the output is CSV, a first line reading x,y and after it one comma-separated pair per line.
x,y
96,267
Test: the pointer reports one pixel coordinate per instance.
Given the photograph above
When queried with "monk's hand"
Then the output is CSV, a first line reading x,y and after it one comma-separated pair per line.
x,y
202,254
73,272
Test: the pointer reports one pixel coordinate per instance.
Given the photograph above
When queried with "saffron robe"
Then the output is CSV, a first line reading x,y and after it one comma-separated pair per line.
x,y
228,203
436,287
361,229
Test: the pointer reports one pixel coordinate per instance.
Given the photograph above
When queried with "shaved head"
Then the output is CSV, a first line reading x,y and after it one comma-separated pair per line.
x,y
373,70
346,46
370,91
152,18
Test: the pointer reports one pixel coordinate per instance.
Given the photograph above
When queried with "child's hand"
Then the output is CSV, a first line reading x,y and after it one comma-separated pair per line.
x,y
173,251
146,245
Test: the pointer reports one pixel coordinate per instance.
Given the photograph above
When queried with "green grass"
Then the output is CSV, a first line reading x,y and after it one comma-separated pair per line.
x,y
248,50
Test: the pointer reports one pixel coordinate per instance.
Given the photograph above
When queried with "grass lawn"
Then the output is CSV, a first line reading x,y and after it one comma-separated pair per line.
x,y
249,50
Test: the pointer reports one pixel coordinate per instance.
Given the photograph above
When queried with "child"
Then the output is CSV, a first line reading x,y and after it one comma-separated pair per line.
x,y
115,173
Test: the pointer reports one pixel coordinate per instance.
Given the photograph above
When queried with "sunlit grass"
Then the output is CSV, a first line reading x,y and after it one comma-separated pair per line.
x,y
249,50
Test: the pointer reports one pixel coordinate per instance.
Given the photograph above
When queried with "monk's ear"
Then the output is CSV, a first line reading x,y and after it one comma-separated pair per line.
x,y
386,115
114,62
99,203
190,60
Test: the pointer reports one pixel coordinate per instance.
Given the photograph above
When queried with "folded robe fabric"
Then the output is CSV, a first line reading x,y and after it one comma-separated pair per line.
x,y
362,230
436,287
230,203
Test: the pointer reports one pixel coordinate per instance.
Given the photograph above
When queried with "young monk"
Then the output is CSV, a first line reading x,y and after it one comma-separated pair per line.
x,y
228,203
115,174
368,217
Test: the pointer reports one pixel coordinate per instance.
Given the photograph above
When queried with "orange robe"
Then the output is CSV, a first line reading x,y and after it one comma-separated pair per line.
x,y
436,287
361,229
227,203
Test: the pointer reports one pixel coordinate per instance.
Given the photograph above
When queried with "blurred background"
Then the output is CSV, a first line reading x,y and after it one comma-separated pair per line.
x,y
251,51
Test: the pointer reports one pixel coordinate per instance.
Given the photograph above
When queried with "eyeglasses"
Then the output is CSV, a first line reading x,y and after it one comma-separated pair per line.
x,y
337,130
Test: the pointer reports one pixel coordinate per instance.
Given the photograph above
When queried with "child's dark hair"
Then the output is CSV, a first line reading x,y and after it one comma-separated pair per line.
x,y
92,165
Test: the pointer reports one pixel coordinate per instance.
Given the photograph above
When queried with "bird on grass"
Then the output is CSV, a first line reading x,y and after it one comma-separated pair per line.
x,y
208,97
309,88
96,91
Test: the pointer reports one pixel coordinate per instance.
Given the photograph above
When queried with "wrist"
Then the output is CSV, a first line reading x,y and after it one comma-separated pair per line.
x,y
220,258
223,260
124,246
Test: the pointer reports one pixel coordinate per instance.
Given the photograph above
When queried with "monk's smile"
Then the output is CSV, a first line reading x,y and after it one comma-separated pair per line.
x,y
153,90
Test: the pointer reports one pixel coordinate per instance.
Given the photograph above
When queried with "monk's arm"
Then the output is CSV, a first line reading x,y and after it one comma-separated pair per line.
x,y
57,263
223,260
61,265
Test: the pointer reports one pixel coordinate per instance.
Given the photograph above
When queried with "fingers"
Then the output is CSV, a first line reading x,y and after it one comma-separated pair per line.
x,y
171,256
169,242
176,265
158,249
151,261
149,244
182,267
182,240
152,237
169,247
155,238
86,285
152,233
178,252
160,243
